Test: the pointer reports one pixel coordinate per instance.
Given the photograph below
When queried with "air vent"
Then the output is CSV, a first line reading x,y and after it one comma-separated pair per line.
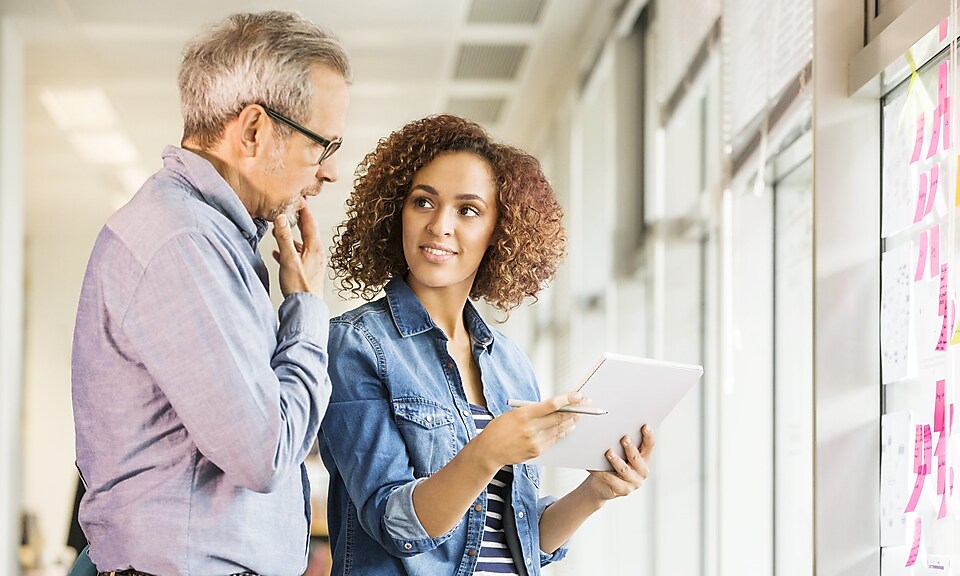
x,y
489,62
505,11
481,110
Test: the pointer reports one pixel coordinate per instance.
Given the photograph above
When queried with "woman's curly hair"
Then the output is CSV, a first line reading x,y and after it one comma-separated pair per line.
x,y
529,238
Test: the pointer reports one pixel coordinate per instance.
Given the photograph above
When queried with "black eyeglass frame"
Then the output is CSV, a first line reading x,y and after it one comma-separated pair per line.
x,y
330,147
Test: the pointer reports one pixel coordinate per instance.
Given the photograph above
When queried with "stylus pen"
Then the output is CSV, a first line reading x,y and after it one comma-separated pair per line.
x,y
568,408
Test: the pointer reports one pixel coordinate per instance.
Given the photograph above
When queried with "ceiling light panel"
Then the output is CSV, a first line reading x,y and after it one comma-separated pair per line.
x,y
489,62
505,11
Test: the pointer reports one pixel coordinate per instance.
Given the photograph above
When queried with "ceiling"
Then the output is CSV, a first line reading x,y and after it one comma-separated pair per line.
x,y
502,62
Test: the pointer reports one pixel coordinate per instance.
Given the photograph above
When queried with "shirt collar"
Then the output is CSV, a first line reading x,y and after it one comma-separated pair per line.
x,y
411,318
214,190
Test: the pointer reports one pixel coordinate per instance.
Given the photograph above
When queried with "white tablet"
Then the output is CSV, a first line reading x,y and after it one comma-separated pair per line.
x,y
634,391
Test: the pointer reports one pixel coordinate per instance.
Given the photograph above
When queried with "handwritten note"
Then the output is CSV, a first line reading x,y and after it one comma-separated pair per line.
x,y
934,183
946,113
942,83
915,547
921,257
899,181
935,131
918,143
935,267
896,290
921,199
938,406
895,431
918,469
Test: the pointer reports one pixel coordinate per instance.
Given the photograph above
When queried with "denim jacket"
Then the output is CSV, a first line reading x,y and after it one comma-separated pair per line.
x,y
397,415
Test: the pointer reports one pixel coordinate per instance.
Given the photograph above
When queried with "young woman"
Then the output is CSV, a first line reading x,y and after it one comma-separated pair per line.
x,y
427,463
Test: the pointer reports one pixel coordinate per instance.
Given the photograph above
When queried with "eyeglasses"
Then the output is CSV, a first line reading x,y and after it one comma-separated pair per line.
x,y
329,146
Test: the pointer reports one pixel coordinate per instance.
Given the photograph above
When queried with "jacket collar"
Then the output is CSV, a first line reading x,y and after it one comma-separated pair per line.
x,y
411,318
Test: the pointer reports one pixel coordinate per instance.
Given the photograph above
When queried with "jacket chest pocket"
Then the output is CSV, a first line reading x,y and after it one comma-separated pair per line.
x,y
427,428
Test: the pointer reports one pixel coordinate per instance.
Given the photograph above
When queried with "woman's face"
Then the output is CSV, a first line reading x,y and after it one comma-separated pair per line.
x,y
448,221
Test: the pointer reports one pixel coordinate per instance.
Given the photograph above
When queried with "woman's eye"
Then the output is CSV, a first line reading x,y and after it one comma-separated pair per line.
x,y
469,211
421,202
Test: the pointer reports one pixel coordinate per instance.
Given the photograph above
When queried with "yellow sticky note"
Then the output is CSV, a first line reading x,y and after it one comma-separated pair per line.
x,y
957,202
956,334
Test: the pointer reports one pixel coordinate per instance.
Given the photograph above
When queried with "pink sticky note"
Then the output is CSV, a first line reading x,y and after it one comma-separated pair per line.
x,y
943,290
935,131
933,248
918,143
941,475
915,495
942,72
918,451
921,199
927,449
943,28
941,467
946,123
921,257
938,406
934,184
944,336
915,548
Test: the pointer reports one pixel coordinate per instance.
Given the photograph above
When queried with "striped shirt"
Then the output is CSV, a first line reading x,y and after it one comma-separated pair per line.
x,y
494,557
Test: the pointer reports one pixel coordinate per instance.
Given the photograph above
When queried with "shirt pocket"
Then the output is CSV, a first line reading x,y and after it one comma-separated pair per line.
x,y
427,428
532,472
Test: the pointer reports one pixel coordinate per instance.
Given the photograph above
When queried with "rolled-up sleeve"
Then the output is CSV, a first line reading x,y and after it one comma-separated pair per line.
x,y
370,454
251,403
560,552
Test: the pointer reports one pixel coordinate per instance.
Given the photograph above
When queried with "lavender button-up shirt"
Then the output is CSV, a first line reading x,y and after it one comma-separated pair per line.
x,y
194,407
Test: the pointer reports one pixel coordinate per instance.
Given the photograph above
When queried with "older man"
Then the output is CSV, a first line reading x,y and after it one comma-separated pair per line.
x,y
195,401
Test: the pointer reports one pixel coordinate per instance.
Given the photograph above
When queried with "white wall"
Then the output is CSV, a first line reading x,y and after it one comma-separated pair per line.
x,y
847,263
11,287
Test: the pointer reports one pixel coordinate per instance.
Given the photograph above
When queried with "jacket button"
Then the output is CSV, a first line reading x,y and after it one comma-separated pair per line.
x,y
520,514
471,552
528,560
478,508
465,412
407,546
429,418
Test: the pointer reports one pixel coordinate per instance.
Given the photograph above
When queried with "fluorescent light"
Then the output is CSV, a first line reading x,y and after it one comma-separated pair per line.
x,y
79,109
110,147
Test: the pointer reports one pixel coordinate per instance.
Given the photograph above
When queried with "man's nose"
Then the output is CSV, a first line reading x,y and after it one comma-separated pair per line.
x,y
329,170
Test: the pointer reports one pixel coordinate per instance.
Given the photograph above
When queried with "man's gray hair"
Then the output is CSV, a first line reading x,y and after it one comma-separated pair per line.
x,y
264,58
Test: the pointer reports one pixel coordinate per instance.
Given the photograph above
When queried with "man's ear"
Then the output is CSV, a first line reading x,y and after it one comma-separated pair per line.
x,y
251,127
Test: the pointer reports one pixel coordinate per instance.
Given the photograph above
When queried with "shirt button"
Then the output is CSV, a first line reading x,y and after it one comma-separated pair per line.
x,y
528,560
429,418
448,365
478,508
465,412
407,546
520,514
471,552
245,234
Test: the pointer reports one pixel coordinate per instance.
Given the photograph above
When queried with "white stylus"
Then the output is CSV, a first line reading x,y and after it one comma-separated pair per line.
x,y
568,408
